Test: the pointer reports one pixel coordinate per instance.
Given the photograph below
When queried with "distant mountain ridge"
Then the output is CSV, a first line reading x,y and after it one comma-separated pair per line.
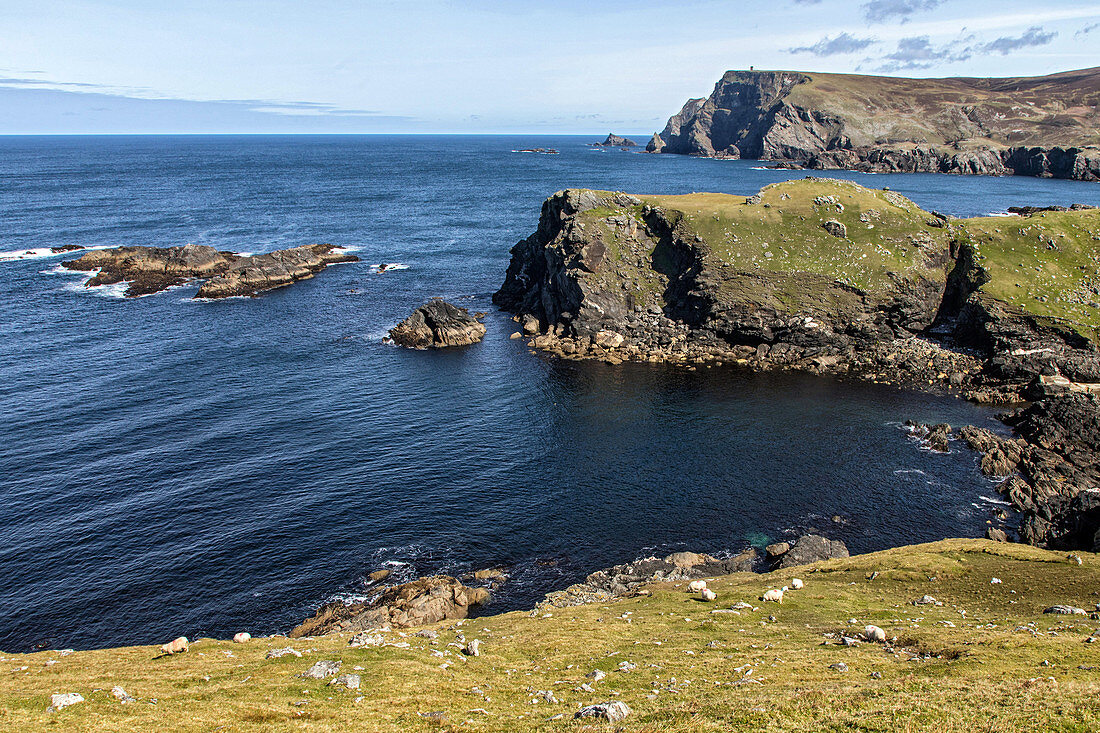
x,y
1042,126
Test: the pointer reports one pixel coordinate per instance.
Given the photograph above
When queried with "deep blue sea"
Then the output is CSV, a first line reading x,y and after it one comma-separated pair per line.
x,y
173,467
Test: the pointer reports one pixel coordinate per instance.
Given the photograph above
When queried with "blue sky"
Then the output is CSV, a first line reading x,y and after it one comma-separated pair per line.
x,y
567,66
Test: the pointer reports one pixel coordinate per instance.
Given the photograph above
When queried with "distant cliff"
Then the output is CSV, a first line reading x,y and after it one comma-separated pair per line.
x,y
1045,126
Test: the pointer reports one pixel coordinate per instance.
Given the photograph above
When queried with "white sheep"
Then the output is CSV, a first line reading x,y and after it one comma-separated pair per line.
x,y
707,594
874,634
775,595
696,586
796,584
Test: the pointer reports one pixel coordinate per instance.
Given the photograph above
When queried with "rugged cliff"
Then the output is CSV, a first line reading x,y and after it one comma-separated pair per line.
x,y
1040,126
828,276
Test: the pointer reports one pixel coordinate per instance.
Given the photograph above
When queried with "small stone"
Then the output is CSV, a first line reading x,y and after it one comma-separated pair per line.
x,y
366,638
613,712
321,670
596,675
995,581
63,700
839,667
350,681
876,675
379,575
473,649
276,653
121,695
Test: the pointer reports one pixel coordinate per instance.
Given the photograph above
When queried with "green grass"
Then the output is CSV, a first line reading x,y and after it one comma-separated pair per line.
x,y
1047,265
978,665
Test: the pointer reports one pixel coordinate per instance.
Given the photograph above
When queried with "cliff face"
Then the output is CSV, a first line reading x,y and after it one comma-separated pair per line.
x,y
1041,126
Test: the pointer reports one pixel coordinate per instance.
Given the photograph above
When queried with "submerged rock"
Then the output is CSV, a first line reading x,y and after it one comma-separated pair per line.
x,y
438,324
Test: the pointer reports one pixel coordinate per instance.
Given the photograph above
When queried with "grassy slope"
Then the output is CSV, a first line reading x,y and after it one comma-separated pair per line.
x,y
1052,110
978,671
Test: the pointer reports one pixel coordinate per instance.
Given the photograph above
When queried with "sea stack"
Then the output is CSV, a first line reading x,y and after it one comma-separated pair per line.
x,y
438,324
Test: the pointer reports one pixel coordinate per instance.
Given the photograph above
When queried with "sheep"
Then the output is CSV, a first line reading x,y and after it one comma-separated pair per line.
x,y
775,595
242,637
796,584
707,594
696,586
175,646
874,634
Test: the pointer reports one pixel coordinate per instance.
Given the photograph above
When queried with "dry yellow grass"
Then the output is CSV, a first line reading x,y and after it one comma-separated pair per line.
x,y
976,663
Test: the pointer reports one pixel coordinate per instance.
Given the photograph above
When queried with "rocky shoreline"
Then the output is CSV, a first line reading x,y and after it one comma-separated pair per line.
x,y
611,277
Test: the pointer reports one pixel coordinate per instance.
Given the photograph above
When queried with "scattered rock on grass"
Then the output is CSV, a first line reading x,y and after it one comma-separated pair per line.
x,y
276,653
472,649
322,669
350,681
1066,610
63,700
613,712
121,695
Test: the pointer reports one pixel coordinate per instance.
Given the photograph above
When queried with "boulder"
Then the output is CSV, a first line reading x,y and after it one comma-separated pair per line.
x,y
813,548
776,549
322,669
836,228
437,324
613,712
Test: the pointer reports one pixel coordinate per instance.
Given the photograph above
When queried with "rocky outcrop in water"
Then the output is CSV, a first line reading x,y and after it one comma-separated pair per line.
x,y
255,274
1034,126
616,141
420,602
438,324
153,269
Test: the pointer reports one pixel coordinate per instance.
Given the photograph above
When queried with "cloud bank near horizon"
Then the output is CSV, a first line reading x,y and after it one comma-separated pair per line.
x,y
386,66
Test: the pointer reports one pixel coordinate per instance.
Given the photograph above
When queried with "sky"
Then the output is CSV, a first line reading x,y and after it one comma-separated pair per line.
x,y
480,66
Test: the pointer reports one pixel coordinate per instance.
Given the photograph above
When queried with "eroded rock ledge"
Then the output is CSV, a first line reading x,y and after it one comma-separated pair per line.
x,y
153,269
1001,310
438,324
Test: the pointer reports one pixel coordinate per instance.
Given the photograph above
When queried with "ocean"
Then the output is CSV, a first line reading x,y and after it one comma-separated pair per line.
x,y
171,467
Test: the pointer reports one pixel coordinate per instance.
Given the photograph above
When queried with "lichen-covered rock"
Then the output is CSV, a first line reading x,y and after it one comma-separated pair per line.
x,y
812,548
438,324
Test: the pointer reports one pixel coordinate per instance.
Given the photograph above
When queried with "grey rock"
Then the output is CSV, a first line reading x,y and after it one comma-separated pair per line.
x,y
614,712
322,669
812,548
63,700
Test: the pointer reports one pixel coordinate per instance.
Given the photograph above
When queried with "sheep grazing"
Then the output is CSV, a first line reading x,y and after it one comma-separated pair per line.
x,y
796,584
874,634
775,594
697,586
242,637
707,594
175,646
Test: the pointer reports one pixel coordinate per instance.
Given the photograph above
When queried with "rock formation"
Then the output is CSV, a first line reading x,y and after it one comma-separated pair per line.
x,y
152,269
616,141
438,324
256,273
422,601
1036,126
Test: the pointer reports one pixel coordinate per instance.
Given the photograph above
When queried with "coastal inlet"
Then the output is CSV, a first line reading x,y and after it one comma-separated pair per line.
x,y
179,467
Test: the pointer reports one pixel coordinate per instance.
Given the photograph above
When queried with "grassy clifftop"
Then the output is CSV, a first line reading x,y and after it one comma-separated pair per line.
x,y
1046,265
986,659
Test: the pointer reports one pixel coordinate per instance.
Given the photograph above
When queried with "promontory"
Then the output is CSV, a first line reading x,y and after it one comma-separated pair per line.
x,y
1045,126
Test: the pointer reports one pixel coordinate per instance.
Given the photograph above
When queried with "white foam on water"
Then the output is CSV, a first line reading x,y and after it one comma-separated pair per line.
x,y
991,500
377,269
909,470
42,253
1001,213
